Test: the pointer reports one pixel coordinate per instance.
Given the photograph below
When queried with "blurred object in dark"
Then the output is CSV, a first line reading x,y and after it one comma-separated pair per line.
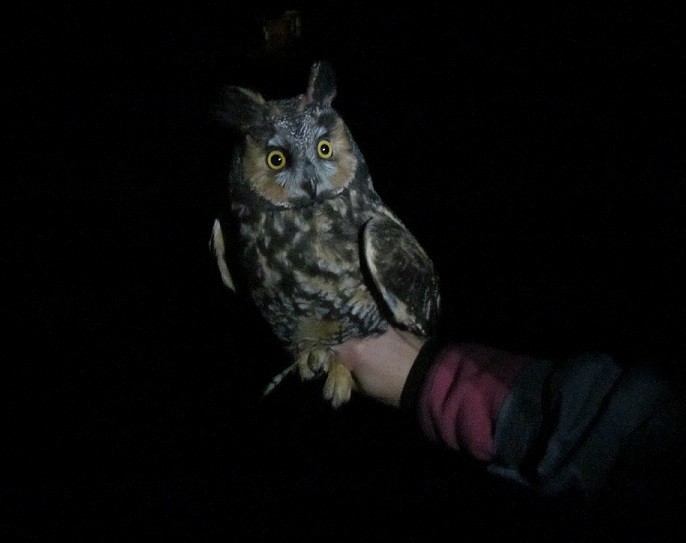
x,y
282,33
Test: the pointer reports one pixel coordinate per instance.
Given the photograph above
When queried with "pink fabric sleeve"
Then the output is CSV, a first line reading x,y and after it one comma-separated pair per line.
x,y
462,396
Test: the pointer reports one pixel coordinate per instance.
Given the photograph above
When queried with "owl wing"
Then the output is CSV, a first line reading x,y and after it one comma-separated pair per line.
x,y
402,274
218,247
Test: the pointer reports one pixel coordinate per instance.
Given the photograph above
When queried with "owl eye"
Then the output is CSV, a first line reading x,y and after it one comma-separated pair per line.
x,y
324,149
276,160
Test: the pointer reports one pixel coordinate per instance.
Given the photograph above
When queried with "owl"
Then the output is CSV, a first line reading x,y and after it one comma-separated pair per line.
x,y
323,258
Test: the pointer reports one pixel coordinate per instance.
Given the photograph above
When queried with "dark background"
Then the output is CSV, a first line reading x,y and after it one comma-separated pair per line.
x,y
538,154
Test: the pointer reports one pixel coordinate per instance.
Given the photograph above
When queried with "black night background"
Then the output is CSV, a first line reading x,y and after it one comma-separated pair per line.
x,y
537,154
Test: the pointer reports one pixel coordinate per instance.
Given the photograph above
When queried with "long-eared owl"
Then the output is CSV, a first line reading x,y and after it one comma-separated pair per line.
x,y
323,258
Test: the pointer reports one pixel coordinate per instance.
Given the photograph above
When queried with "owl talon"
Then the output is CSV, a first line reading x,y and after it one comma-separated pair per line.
x,y
318,360
338,385
304,368
314,362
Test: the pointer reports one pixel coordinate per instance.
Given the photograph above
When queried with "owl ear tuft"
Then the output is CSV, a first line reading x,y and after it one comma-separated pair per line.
x,y
241,108
321,88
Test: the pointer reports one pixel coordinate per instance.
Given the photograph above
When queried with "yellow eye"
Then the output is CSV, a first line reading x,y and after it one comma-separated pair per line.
x,y
276,160
324,149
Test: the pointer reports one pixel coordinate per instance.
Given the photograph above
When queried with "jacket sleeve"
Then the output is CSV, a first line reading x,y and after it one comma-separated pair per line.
x,y
456,393
555,427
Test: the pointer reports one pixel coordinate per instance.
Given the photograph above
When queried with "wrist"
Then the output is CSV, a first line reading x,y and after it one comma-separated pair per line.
x,y
412,388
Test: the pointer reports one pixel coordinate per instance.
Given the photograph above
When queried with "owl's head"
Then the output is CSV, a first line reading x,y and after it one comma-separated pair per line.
x,y
295,152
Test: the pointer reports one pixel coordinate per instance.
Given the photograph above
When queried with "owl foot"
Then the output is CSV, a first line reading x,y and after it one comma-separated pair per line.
x,y
339,383
314,362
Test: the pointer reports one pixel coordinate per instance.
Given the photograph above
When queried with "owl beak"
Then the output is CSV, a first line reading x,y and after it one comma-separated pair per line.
x,y
310,187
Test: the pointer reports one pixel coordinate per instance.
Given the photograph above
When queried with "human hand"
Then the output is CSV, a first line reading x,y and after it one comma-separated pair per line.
x,y
380,364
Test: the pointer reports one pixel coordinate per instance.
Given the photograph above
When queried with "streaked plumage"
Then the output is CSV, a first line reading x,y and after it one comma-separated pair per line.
x,y
323,257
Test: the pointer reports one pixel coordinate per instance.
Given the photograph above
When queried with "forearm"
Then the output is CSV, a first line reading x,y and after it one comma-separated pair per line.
x,y
455,392
553,426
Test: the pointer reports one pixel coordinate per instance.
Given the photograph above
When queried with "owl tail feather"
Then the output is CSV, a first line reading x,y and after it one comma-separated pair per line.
x,y
278,378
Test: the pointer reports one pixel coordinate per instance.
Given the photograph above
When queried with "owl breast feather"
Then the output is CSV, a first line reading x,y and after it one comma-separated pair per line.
x,y
304,264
